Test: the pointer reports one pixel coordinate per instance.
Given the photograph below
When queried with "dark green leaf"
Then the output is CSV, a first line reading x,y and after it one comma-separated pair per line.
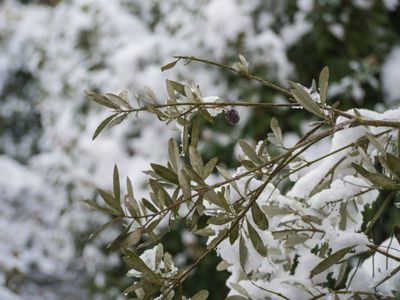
x,y
234,234
396,232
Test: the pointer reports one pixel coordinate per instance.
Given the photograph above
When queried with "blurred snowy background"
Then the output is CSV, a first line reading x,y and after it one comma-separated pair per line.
x,y
51,51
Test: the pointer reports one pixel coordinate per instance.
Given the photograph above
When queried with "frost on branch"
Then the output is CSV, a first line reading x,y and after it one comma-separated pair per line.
x,y
312,239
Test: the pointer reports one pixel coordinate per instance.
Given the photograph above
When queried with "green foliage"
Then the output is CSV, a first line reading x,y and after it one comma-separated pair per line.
x,y
180,194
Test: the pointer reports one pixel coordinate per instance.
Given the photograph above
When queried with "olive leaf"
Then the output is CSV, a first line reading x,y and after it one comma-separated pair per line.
x,y
259,218
330,261
165,173
323,84
243,253
169,65
256,240
116,184
382,208
100,99
249,151
195,160
103,125
305,100
276,130
110,200
118,101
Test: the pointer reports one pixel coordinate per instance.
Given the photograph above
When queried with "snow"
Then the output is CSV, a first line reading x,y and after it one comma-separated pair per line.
x,y
391,77
113,45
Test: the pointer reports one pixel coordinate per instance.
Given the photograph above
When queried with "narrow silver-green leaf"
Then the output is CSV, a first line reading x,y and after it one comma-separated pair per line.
x,y
184,183
305,100
100,99
259,218
179,87
330,261
228,177
169,65
323,84
195,132
249,151
117,120
209,167
376,143
276,130
382,181
118,101
130,200
171,92
173,152
103,125
133,238
135,262
159,254
360,169
256,240
116,184
234,234
101,228
243,253
195,160
218,199
95,206
165,173
393,164
110,200
366,160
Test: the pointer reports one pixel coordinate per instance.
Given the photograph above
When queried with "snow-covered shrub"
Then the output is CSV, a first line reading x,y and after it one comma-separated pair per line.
x,y
314,238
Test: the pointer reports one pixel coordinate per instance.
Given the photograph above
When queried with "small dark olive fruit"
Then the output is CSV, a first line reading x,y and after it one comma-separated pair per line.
x,y
232,116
